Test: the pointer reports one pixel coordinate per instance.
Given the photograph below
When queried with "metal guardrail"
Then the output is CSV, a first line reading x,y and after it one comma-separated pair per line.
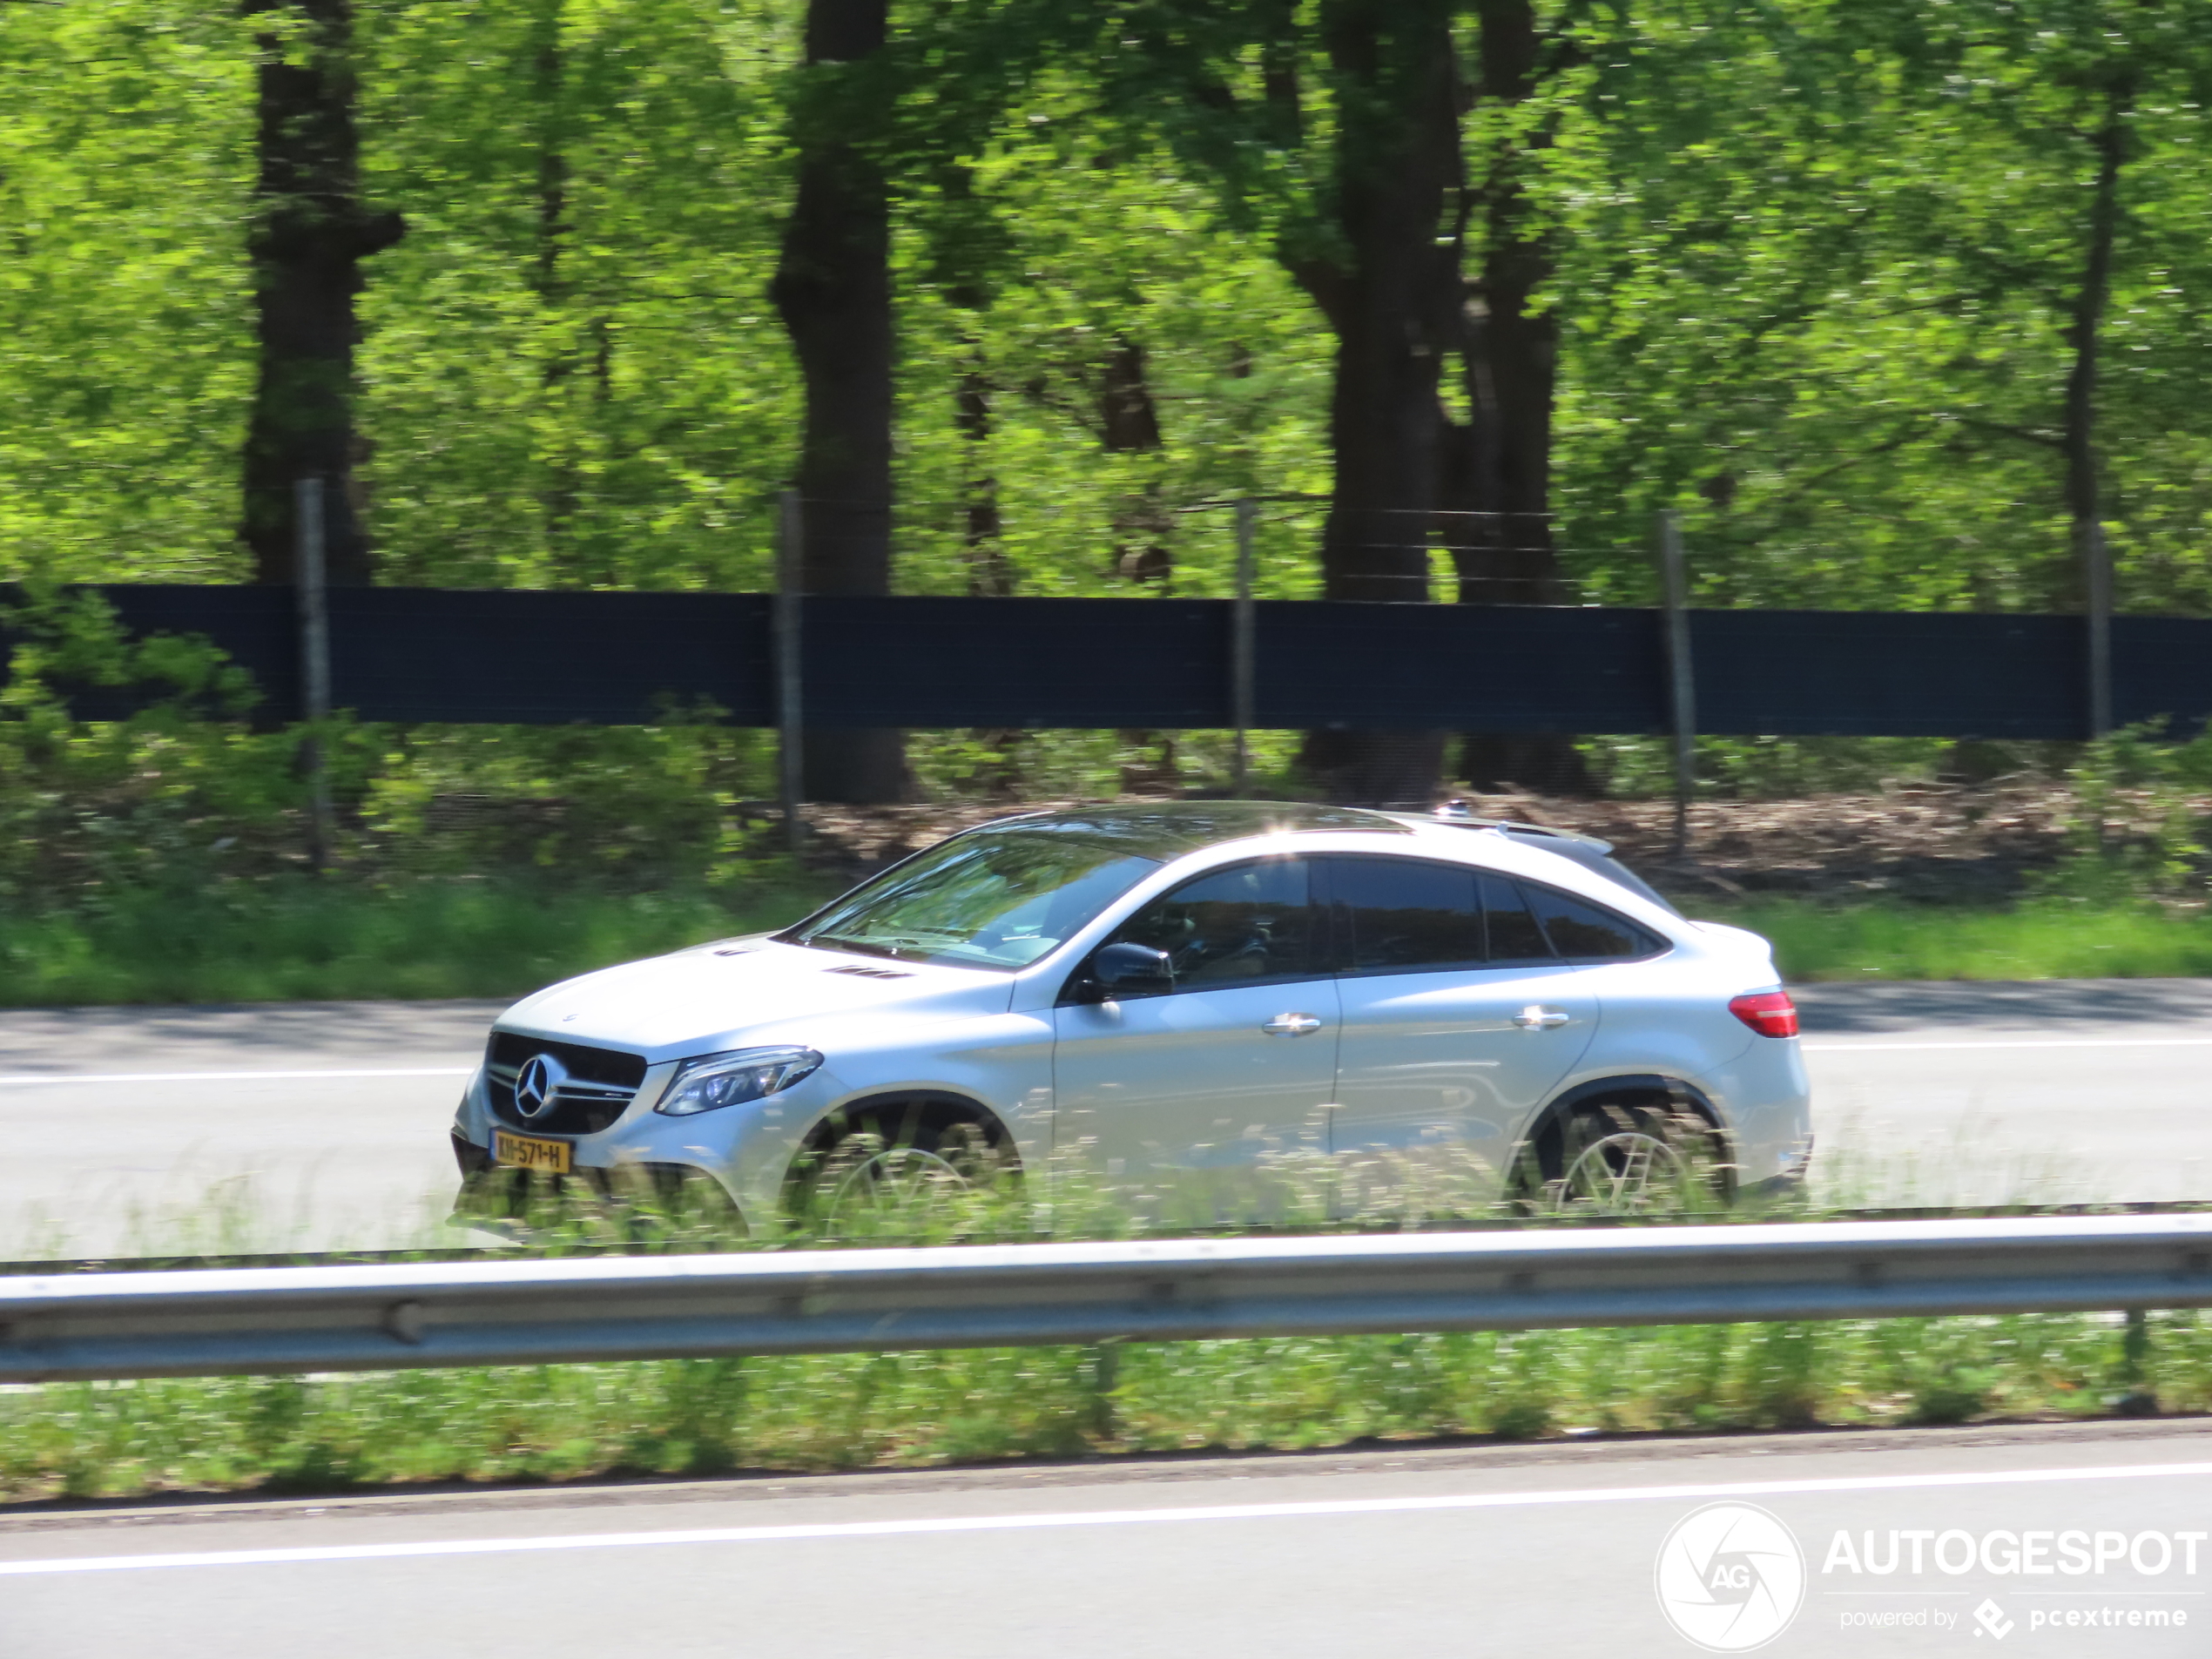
x,y
523,1246
528,1313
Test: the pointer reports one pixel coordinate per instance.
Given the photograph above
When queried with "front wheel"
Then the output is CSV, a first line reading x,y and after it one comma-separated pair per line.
x,y
898,1181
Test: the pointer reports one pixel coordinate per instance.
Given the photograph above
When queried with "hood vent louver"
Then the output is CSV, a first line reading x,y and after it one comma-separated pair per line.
x,y
870,973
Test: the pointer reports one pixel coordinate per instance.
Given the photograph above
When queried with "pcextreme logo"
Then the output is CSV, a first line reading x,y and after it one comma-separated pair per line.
x,y
1730,1577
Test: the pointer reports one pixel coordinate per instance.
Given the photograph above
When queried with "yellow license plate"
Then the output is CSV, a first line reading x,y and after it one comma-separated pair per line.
x,y
526,1152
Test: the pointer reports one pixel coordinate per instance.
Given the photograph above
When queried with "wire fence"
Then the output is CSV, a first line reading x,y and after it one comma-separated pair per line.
x,y
1121,538
1123,541
1189,550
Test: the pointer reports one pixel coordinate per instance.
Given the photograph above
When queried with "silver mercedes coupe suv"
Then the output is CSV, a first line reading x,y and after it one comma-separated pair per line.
x,y
1174,996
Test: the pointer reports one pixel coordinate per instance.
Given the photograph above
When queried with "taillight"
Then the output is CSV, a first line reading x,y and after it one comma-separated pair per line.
x,y
1771,1014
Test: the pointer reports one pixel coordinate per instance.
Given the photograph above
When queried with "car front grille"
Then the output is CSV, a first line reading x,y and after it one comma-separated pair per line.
x,y
596,1084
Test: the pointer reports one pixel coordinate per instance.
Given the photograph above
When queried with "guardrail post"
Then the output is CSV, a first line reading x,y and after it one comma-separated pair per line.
x,y
2096,560
1102,1375
2141,1399
1682,685
1243,641
790,585
312,593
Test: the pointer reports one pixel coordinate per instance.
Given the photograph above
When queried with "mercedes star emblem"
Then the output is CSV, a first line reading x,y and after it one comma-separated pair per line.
x,y
536,1083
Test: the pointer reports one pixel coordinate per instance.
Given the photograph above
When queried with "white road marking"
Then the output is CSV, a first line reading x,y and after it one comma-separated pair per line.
x,y
2060,1043
40,1079
1086,1518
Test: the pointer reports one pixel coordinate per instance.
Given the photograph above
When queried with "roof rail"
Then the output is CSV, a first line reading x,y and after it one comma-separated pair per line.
x,y
1461,815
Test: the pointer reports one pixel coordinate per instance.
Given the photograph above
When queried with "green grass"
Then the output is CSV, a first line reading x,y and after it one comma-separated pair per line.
x,y
2037,939
837,1411
301,939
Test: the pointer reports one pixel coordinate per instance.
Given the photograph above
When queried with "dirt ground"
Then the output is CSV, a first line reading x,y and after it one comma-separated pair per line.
x,y
1962,843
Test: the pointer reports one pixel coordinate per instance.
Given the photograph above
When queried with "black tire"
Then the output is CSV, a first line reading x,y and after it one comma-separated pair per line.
x,y
1622,1157
895,1170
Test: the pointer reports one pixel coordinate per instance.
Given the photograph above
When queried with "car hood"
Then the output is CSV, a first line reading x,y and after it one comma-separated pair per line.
x,y
664,1007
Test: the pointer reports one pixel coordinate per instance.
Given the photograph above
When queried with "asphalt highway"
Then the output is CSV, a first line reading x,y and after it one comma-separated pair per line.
x,y
2082,1540
324,1126
305,1126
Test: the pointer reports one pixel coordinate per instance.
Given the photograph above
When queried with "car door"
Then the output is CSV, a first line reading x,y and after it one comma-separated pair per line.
x,y
1459,1017
1226,1072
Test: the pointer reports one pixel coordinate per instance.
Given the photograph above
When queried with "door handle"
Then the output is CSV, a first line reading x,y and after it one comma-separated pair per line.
x,y
1537,1018
1291,1025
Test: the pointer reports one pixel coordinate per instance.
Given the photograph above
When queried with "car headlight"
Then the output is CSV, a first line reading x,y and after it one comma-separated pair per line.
x,y
714,1081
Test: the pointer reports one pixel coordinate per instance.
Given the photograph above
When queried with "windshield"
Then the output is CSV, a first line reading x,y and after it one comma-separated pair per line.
x,y
996,898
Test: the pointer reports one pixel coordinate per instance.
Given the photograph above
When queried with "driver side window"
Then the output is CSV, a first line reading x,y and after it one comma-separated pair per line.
x,y
1235,926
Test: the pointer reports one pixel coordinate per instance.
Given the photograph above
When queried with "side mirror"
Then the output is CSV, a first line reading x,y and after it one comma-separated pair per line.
x,y
1131,970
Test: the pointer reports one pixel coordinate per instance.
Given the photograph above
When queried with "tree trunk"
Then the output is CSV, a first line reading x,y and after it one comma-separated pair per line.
x,y
310,234
833,289
1129,424
988,575
1388,296
2078,441
1494,488
998,774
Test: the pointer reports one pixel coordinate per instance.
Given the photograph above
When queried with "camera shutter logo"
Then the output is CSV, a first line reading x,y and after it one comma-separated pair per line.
x,y
1730,1577
537,1084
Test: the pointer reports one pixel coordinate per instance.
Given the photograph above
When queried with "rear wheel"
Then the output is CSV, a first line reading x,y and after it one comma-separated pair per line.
x,y
1622,1158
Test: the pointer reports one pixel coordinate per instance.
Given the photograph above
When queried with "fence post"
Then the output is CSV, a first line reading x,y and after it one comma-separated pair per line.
x,y
311,593
1682,700
2097,587
1243,641
789,586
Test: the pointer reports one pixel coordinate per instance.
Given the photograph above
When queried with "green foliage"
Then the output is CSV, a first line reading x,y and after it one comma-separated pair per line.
x,y
1820,307
156,857
572,374
1770,768
629,806
857,1411
94,805
160,823
124,165
2134,829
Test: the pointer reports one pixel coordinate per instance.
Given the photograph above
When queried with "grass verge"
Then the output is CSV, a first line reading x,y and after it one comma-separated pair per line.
x,y
2038,939
844,1412
301,939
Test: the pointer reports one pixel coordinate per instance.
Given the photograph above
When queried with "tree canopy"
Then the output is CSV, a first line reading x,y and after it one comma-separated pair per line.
x,y
1821,277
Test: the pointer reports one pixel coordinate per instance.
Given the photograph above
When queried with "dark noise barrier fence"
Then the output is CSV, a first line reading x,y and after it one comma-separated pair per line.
x,y
552,657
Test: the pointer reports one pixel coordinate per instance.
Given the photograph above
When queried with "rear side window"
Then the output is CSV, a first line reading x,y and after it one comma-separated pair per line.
x,y
1408,916
1582,933
1515,933
1252,922
1404,915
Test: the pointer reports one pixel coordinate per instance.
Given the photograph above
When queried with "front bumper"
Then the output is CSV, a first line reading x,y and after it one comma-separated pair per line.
x,y
727,1162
